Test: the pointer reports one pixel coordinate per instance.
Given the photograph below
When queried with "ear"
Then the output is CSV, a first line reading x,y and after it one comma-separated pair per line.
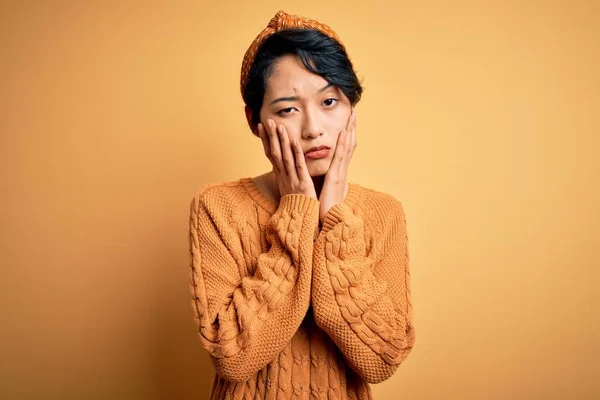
x,y
254,129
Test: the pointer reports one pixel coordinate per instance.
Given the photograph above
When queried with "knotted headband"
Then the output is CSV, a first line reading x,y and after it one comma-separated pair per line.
x,y
279,22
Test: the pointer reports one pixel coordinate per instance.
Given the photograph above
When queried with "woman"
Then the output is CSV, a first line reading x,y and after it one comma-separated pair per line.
x,y
300,280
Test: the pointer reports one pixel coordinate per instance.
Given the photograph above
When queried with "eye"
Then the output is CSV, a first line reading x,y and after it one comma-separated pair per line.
x,y
330,102
285,111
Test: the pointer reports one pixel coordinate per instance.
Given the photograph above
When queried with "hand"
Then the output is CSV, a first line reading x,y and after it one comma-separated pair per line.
x,y
287,159
335,184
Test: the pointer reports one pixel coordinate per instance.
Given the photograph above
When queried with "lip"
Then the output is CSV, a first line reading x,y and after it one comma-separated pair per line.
x,y
315,155
316,148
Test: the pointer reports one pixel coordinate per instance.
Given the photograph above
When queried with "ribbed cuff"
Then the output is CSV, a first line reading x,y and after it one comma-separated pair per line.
x,y
335,215
301,203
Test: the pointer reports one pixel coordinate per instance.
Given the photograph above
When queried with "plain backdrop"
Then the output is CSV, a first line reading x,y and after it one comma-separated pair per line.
x,y
482,118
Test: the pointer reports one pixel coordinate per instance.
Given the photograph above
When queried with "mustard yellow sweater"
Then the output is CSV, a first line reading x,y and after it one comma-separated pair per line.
x,y
288,311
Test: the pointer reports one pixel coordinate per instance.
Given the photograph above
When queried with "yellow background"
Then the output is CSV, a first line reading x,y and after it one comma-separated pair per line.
x,y
481,117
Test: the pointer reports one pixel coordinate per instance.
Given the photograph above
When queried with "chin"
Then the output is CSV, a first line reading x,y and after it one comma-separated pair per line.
x,y
319,169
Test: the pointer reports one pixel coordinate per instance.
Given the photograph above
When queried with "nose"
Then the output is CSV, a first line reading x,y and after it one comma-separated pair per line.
x,y
310,126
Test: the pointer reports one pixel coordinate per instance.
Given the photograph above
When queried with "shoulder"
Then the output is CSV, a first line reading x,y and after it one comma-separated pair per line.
x,y
218,197
218,190
383,208
380,202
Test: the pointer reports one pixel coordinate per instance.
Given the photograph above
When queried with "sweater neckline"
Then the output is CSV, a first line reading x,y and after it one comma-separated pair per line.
x,y
266,203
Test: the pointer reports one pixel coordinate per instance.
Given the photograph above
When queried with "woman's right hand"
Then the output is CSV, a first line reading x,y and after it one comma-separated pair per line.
x,y
287,159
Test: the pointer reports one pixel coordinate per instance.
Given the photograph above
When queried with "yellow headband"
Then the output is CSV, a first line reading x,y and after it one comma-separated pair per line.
x,y
279,22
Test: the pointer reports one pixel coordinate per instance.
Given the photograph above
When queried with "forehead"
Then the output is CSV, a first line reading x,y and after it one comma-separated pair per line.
x,y
290,76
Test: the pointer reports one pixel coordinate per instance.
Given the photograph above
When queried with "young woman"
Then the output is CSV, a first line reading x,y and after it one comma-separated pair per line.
x,y
299,279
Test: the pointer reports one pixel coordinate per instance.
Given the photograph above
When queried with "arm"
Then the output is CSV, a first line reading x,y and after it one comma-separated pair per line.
x,y
362,301
244,322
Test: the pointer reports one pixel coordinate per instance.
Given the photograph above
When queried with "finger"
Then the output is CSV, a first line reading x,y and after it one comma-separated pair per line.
x,y
265,140
343,146
351,120
339,150
275,145
349,139
264,136
354,141
302,169
287,156
348,130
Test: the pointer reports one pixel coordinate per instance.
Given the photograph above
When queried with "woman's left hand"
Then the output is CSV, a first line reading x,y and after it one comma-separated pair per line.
x,y
335,185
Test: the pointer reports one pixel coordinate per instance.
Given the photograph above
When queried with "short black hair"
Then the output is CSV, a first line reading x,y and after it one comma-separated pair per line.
x,y
318,52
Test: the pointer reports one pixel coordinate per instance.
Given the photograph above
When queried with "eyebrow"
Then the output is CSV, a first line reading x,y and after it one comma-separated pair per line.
x,y
296,98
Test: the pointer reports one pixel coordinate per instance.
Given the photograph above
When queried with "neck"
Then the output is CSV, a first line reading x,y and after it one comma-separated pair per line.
x,y
318,182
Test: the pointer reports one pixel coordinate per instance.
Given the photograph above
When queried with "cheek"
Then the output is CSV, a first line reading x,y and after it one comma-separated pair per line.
x,y
341,118
335,137
292,130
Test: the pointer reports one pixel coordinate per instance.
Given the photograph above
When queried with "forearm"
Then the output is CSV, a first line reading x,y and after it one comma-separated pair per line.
x,y
244,325
366,315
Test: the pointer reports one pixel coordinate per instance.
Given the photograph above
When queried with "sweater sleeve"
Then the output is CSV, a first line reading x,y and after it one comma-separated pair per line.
x,y
362,301
245,321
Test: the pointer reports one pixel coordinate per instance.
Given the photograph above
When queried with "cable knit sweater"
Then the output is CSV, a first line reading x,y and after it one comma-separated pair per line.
x,y
289,310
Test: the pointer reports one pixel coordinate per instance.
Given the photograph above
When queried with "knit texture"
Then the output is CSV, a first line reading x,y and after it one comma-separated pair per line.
x,y
288,311
281,21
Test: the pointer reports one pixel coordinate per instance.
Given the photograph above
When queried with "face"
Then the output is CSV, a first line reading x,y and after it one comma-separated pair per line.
x,y
312,111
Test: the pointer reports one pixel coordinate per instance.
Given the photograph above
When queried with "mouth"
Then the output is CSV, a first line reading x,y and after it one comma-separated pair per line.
x,y
315,149
317,152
